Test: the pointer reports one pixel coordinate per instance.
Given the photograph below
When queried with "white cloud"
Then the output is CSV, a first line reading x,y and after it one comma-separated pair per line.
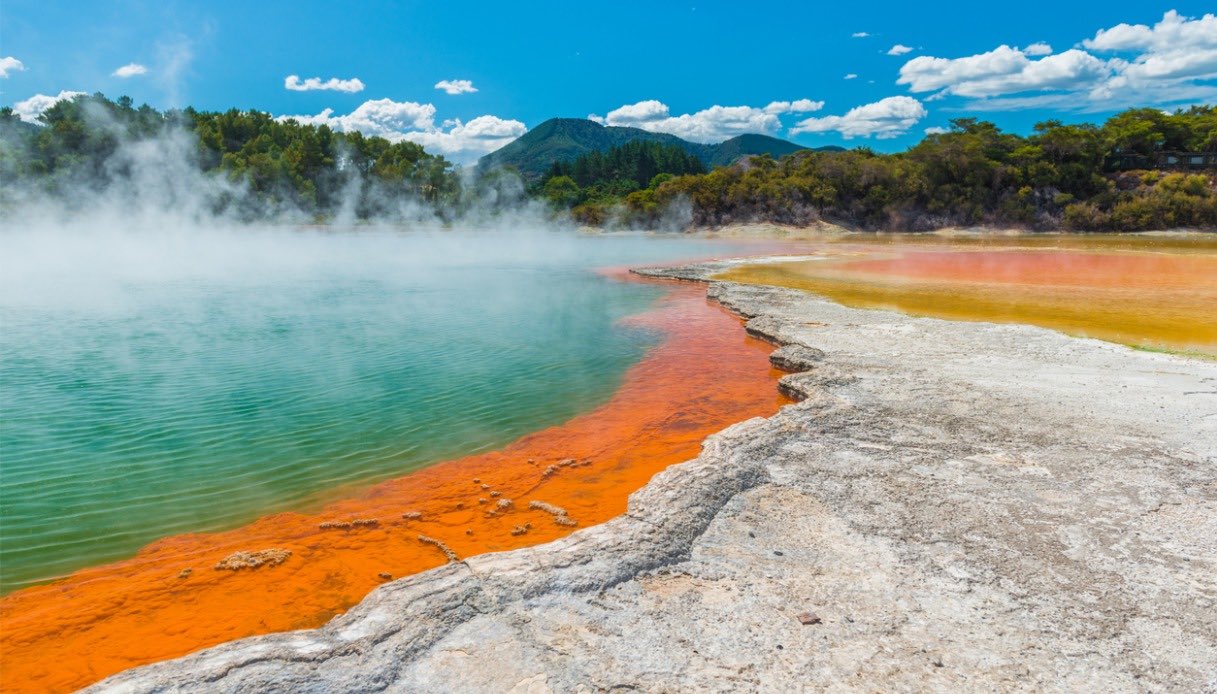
x,y
887,118
408,120
383,117
29,109
1003,70
1172,62
799,106
859,34
851,76
129,70
456,86
936,130
899,49
9,65
1174,32
805,106
1176,48
295,84
636,115
713,124
466,141
926,73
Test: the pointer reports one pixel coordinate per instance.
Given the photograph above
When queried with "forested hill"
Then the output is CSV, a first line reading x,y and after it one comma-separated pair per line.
x,y
565,139
1141,169
731,151
91,145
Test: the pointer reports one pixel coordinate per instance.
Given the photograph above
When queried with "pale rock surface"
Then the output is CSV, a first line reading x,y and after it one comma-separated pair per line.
x,y
965,506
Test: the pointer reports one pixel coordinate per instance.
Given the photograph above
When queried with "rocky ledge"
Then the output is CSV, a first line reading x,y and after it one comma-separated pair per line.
x,y
950,506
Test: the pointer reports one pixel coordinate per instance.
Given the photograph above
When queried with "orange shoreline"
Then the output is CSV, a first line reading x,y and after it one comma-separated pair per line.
x,y
705,375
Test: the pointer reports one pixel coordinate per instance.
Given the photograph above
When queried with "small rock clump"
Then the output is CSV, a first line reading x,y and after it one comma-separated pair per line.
x,y
252,560
440,546
557,512
347,525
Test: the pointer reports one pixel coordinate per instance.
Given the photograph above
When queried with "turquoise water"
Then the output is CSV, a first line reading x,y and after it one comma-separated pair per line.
x,y
151,386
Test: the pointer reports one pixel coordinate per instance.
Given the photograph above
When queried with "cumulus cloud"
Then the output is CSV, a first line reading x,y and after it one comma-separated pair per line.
x,y
1003,70
30,109
899,49
851,76
383,117
463,140
884,119
130,70
859,34
1176,48
314,84
799,106
456,86
1172,62
713,124
1174,32
408,120
9,65
936,130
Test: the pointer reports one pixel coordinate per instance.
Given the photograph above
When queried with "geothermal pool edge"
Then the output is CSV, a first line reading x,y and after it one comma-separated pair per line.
x,y
952,504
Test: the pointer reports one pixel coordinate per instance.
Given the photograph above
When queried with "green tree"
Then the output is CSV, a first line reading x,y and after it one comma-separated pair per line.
x,y
562,192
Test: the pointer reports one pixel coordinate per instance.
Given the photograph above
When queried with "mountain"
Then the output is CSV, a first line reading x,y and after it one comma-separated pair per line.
x,y
728,151
564,139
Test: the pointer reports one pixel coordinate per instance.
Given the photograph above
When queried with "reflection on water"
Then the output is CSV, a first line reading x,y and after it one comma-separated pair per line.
x,y
1148,291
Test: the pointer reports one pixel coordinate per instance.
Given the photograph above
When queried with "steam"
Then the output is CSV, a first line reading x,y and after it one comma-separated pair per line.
x,y
158,182
174,57
150,217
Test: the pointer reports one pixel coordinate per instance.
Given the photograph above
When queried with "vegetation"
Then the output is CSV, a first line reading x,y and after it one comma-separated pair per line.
x,y
597,180
1058,177
282,163
566,139
1061,176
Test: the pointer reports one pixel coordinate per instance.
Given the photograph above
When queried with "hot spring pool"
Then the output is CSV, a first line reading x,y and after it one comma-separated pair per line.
x,y
158,384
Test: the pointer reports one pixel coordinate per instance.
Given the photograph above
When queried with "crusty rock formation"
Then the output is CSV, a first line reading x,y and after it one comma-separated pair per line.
x,y
952,506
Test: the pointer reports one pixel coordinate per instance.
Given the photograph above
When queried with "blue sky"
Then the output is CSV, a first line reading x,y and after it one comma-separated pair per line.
x,y
773,67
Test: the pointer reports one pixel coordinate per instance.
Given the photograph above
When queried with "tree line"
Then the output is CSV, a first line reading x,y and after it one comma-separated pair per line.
x,y
280,164
1061,176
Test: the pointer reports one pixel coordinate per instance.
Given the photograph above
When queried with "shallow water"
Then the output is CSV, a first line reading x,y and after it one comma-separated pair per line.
x,y
1147,291
172,598
157,385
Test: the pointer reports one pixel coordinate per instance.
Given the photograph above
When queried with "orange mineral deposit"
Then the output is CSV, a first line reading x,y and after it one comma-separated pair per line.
x,y
294,571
